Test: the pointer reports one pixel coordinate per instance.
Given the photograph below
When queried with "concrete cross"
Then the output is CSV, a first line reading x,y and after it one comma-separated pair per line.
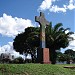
x,y
42,21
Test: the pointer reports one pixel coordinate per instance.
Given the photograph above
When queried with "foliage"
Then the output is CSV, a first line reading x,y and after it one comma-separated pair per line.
x,y
27,42
56,38
18,60
61,57
68,56
70,52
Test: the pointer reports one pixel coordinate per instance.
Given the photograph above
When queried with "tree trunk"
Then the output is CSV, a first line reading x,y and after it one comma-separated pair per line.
x,y
53,56
32,57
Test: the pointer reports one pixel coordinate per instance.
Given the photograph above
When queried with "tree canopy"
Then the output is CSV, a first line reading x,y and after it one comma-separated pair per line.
x,y
68,56
29,40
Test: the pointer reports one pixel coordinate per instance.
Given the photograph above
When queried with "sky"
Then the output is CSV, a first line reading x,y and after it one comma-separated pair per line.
x,y
16,15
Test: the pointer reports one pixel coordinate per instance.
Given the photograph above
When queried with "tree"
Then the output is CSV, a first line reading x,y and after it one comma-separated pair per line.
x,y
71,55
68,56
18,60
61,57
27,41
56,38
70,52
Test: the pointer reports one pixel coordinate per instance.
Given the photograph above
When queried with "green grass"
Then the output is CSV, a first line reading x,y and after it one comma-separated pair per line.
x,y
35,69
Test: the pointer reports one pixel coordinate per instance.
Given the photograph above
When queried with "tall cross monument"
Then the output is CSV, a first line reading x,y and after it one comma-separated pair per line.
x,y
42,52
42,21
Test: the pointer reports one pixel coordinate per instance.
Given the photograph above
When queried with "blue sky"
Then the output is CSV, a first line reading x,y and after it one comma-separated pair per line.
x,y
16,15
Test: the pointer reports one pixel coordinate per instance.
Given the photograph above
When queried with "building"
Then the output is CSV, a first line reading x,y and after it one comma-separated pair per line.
x,y
6,57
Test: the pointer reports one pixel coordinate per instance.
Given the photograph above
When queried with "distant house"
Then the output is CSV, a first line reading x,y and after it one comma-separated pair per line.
x,y
6,57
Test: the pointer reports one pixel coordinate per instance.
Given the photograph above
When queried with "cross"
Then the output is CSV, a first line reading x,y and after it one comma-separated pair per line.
x,y
42,21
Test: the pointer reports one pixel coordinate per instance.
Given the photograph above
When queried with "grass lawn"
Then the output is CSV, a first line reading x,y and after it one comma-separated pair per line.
x,y
35,69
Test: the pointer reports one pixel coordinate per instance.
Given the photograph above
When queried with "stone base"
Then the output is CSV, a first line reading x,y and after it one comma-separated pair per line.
x,y
43,56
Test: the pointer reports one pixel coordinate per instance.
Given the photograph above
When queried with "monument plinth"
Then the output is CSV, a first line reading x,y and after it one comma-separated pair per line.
x,y
42,52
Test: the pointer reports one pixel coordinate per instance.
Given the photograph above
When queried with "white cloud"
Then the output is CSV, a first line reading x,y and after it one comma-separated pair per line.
x,y
9,49
71,5
55,8
10,26
72,43
48,5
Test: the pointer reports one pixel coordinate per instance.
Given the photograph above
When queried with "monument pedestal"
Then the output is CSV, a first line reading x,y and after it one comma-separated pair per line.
x,y
43,56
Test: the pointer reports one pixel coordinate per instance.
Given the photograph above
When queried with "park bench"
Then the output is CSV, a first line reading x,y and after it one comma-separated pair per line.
x,y
70,67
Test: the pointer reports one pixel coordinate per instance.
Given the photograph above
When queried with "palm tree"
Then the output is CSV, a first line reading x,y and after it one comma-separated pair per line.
x,y
56,38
